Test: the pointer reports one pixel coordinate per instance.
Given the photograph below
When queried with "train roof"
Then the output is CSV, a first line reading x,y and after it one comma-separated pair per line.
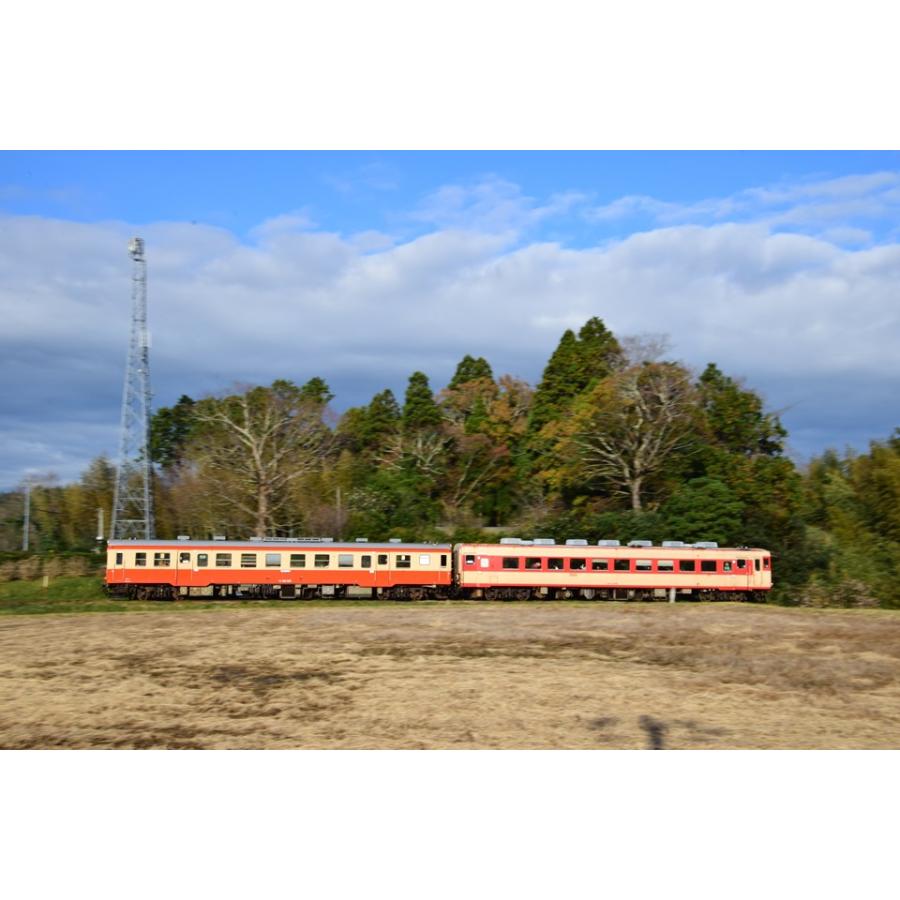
x,y
275,545
541,546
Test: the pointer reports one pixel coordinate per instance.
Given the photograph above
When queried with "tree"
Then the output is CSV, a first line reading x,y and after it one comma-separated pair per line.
x,y
419,408
170,430
470,369
632,422
703,509
252,445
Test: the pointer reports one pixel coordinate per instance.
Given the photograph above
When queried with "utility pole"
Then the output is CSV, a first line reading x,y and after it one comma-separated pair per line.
x,y
132,515
26,527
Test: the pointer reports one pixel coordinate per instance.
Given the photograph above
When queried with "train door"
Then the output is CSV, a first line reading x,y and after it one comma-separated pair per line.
x,y
183,564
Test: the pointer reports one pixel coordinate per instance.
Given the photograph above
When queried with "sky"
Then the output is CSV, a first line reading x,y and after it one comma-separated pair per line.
x,y
361,267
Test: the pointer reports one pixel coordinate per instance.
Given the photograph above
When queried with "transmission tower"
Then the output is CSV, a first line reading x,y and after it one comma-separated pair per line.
x,y
132,515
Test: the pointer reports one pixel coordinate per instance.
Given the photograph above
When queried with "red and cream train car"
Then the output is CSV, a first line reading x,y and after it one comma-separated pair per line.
x,y
521,570
272,569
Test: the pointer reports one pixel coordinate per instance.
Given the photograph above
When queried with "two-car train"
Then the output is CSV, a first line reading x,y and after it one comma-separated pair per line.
x,y
514,569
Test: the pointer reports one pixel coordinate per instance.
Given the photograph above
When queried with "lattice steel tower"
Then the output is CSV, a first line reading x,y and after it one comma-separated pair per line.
x,y
132,515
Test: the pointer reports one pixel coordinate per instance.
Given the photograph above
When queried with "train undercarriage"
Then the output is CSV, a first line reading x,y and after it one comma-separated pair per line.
x,y
166,592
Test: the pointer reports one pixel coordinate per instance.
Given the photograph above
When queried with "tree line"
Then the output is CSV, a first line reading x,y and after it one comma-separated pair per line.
x,y
616,440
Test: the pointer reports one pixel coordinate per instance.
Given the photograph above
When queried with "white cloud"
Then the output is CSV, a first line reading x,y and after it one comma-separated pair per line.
x,y
813,323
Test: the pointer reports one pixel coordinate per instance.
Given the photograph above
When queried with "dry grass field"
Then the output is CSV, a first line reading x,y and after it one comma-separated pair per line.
x,y
453,676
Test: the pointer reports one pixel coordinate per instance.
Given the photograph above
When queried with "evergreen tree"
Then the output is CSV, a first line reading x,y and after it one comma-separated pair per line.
x,y
170,430
419,408
470,369
315,390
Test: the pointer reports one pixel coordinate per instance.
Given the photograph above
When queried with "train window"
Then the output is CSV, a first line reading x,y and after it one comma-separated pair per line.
x,y
273,560
532,562
425,559
119,558
162,559
184,557
643,565
767,563
365,562
345,560
726,566
707,565
223,560
600,565
403,561
298,560
623,565
470,559
577,565
382,559
687,565
203,560
140,559
756,561
742,563
665,565
554,563
443,560
248,560
510,562
321,560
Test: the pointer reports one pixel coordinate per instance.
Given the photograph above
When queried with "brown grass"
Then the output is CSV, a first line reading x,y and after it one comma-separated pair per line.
x,y
434,676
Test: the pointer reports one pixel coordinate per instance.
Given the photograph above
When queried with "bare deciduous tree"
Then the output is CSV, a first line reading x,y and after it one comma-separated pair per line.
x,y
635,420
259,441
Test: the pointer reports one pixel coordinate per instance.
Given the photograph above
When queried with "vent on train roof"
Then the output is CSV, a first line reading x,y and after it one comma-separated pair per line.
x,y
673,543
219,537
544,542
640,543
510,540
362,540
394,540
184,537
576,542
706,545
609,544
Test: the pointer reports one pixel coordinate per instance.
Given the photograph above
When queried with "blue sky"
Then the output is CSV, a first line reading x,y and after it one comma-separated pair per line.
x,y
355,191
361,267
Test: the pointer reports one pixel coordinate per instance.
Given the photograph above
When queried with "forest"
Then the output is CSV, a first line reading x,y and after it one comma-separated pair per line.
x,y
615,441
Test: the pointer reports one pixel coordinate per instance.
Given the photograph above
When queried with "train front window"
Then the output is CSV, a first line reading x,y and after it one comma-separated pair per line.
x,y
119,558
767,563
443,560
756,563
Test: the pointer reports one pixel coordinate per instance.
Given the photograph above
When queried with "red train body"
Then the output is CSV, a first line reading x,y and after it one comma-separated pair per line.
x,y
510,570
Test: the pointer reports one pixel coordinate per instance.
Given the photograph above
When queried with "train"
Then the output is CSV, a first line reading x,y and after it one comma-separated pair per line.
x,y
513,569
